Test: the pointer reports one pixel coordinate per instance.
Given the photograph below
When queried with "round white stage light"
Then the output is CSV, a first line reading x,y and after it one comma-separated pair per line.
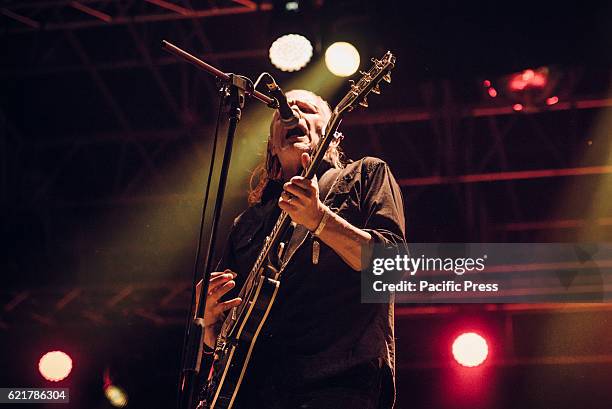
x,y
342,59
55,366
470,349
290,52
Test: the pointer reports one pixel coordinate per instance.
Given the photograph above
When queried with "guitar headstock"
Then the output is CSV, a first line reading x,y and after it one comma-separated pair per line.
x,y
369,82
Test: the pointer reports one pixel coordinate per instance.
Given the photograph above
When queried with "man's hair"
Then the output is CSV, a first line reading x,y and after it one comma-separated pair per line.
x,y
270,168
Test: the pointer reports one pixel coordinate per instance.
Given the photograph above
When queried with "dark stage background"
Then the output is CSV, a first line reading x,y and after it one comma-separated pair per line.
x,y
106,145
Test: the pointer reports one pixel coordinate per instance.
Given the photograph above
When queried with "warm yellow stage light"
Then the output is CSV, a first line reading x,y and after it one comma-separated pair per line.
x,y
291,52
116,396
342,59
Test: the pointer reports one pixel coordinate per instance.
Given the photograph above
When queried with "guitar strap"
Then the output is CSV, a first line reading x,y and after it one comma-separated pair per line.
x,y
300,233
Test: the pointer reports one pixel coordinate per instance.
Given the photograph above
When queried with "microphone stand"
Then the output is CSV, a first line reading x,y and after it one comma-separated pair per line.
x,y
233,92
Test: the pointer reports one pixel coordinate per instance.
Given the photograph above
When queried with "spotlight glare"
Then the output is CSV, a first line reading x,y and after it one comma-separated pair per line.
x,y
55,366
528,75
470,349
342,59
492,92
290,52
529,79
116,396
552,100
517,107
292,6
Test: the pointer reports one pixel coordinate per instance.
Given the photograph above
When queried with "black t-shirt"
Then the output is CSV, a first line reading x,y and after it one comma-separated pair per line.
x,y
318,327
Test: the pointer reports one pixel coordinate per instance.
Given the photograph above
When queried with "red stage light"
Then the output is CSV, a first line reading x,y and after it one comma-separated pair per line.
x,y
517,107
529,79
539,80
55,366
486,83
552,100
470,349
492,92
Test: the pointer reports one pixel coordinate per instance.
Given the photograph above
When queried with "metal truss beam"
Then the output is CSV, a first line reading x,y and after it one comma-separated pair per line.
x,y
129,64
505,176
419,115
554,224
90,11
364,119
404,183
33,24
182,14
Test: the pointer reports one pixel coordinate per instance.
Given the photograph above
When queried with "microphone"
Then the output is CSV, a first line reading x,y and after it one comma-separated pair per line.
x,y
288,117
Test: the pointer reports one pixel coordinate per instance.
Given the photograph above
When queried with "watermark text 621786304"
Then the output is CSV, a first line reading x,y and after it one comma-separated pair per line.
x,y
34,395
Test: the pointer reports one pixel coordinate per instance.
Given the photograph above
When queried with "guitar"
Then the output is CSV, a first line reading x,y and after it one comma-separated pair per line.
x,y
239,331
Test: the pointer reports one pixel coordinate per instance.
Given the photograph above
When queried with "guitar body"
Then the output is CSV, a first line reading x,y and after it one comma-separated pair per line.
x,y
243,324
233,352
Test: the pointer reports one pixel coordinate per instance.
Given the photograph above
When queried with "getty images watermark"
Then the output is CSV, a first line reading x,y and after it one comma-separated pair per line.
x,y
489,272
410,265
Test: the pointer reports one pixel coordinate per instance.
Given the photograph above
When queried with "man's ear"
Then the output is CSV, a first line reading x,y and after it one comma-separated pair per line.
x,y
305,160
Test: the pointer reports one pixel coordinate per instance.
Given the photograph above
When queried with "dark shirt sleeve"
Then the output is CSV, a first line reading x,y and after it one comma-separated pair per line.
x,y
228,257
383,204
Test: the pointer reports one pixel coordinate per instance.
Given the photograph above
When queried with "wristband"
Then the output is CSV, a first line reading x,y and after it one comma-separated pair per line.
x,y
323,222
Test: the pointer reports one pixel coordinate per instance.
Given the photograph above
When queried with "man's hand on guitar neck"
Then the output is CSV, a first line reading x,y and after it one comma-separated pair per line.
x,y
220,283
300,199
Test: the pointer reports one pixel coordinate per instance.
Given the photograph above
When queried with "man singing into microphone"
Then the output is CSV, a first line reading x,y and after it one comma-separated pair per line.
x,y
320,347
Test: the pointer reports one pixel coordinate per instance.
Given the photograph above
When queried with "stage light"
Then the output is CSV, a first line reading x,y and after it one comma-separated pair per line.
x,y
342,59
290,52
55,366
552,100
470,349
492,92
529,79
116,396
292,6
486,83
517,107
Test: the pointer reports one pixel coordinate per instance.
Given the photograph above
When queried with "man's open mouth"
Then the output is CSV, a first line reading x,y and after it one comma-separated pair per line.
x,y
297,131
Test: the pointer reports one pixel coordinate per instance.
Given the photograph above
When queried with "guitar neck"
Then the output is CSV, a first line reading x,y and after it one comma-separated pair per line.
x,y
283,222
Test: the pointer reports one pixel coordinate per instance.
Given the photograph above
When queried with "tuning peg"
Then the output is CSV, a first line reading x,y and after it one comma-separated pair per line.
x,y
364,102
387,77
366,76
376,89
